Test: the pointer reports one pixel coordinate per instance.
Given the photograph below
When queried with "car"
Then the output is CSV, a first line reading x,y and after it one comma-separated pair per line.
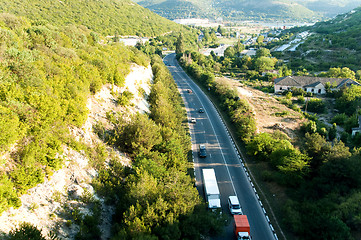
x,y
193,120
189,91
201,110
234,206
202,151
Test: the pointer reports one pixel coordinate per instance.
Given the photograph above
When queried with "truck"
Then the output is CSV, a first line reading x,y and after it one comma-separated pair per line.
x,y
211,189
241,227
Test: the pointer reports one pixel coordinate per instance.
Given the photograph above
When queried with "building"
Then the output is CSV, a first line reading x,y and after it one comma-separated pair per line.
x,y
316,85
357,129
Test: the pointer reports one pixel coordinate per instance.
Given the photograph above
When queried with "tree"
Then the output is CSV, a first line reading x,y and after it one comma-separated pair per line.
x,y
141,134
220,30
263,52
179,48
229,52
341,73
262,64
238,47
260,39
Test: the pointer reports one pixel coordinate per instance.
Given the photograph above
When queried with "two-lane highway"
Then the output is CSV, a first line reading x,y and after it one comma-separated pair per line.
x,y
221,155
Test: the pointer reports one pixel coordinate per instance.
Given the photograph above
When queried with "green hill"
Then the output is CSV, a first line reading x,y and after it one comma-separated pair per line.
x,y
334,43
266,9
330,8
103,16
232,9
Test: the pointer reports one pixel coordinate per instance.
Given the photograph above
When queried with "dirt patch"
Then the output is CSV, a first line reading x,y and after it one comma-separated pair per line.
x,y
270,114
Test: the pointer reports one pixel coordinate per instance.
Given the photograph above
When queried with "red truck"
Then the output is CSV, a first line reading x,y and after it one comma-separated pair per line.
x,y
241,227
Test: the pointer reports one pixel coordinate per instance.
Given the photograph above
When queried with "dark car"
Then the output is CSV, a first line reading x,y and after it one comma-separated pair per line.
x,y
189,91
201,110
202,151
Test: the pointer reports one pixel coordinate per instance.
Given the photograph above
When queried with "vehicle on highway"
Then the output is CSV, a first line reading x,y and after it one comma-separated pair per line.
x,y
234,206
211,189
202,151
241,227
201,110
189,91
193,120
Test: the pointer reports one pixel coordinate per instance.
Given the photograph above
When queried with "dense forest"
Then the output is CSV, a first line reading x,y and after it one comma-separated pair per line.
x,y
107,17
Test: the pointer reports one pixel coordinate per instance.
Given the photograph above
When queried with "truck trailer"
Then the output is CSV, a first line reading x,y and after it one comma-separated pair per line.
x,y
211,188
241,227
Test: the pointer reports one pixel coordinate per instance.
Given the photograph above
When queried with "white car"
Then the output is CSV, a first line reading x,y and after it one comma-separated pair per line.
x,y
234,206
193,120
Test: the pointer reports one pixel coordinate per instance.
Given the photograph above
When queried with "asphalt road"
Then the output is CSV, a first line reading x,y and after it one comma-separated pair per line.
x,y
221,155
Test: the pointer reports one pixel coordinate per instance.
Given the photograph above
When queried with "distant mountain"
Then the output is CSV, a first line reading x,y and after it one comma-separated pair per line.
x,y
173,9
330,8
266,9
123,17
231,9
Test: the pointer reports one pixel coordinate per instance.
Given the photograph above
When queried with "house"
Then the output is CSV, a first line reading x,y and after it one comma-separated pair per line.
x,y
314,85
357,129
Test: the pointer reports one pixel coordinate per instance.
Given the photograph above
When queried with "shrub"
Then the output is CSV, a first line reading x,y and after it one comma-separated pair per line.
x,y
124,98
8,196
301,99
316,106
298,91
281,114
339,119
26,231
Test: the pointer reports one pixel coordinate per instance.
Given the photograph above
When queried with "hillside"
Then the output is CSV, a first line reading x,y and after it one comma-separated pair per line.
x,y
267,10
43,204
103,16
334,43
330,8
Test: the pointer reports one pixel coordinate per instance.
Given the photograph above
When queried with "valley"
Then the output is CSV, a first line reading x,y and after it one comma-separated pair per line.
x,y
109,114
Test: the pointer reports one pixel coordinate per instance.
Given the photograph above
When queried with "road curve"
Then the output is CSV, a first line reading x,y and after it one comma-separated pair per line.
x,y
222,155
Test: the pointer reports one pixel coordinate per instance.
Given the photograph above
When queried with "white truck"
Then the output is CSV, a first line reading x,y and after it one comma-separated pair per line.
x,y
211,188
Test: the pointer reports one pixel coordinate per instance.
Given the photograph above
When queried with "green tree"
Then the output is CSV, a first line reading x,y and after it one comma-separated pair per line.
x,y
230,52
179,48
142,134
260,39
263,52
264,63
220,30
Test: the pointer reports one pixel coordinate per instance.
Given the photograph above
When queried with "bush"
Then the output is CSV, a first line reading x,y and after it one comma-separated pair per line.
x,y
316,106
281,114
8,196
301,99
298,91
339,119
26,231
124,98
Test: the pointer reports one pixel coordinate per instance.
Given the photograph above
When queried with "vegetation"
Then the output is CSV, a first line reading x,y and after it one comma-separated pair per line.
x,y
334,44
320,175
231,10
156,199
107,17
27,231
46,75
